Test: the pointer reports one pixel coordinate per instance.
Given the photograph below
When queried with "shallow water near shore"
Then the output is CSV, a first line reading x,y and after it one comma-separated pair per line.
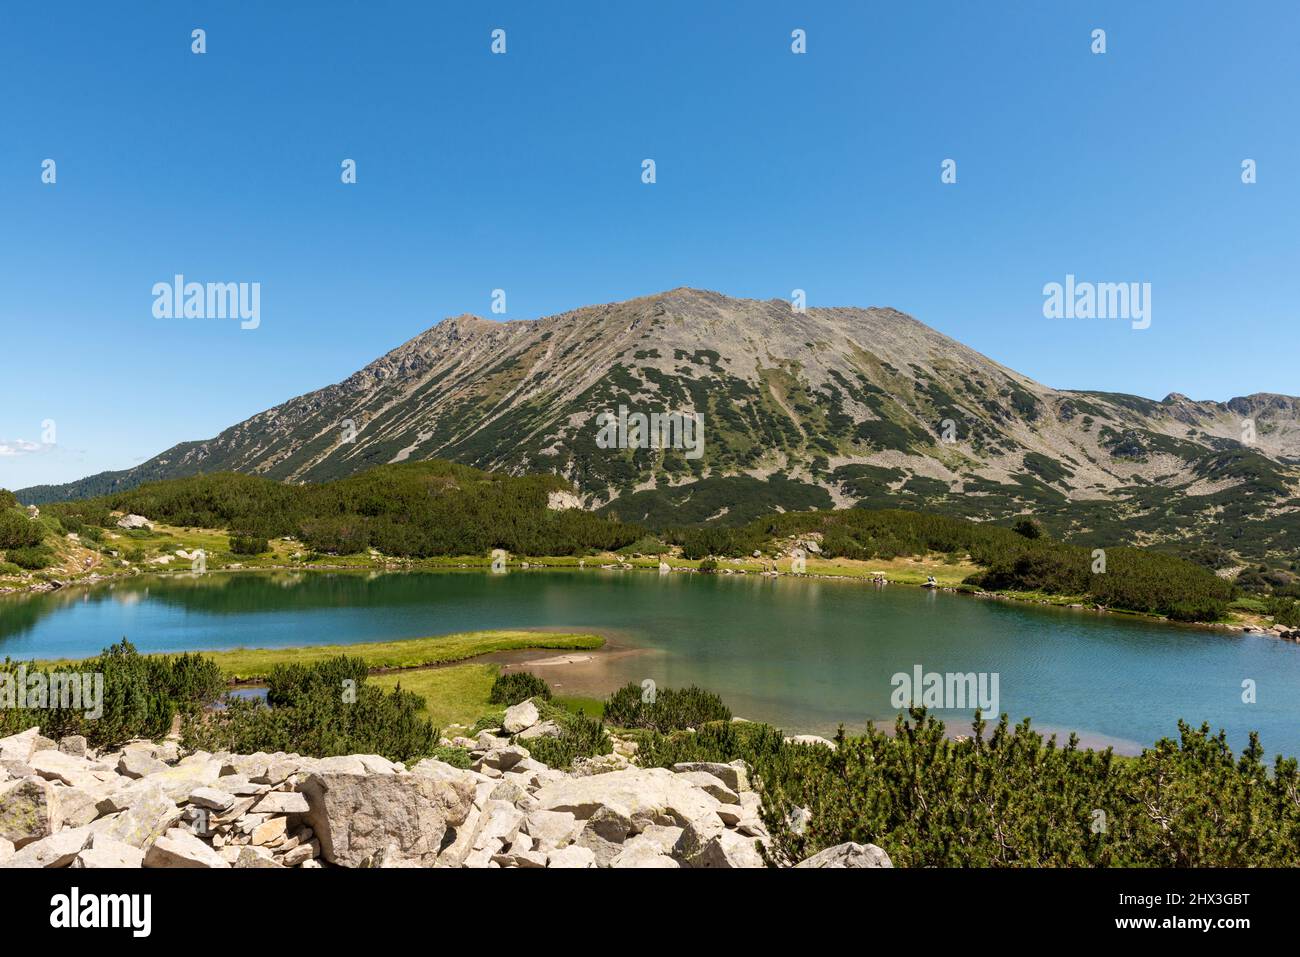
x,y
804,654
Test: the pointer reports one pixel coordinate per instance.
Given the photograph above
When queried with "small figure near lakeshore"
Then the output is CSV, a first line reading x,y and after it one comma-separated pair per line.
x,y
930,582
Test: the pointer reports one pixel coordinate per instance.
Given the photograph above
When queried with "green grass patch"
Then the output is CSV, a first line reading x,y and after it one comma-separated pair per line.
x,y
455,695
591,707
250,663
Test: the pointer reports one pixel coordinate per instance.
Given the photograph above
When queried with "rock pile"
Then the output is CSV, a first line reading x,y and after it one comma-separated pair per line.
x,y
64,805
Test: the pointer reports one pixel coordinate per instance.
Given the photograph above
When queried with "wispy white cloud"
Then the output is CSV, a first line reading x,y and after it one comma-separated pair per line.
x,y
13,447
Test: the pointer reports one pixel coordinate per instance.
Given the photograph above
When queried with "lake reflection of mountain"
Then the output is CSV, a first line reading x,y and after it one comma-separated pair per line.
x,y
805,654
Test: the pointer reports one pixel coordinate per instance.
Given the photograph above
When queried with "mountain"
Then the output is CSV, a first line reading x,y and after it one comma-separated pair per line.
x,y
828,407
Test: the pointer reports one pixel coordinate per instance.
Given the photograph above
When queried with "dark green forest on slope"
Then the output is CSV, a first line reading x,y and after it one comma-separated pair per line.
x,y
438,508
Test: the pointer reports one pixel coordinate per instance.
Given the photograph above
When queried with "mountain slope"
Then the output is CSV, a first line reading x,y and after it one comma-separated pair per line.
x,y
832,406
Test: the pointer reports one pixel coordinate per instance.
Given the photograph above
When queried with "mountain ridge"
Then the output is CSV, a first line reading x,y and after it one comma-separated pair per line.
x,y
835,405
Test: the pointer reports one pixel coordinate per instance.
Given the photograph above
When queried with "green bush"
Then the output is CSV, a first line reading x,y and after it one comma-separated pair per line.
x,y
580,736
456,757
670,710
141,694
39,556
1028,528
516,686
19,531
1015,799
1284,611
314,710
248,544
646,545
719,741
287,683
416,509
488,722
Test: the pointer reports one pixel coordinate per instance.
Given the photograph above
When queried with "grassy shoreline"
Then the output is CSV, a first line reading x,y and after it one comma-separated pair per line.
x,y
909,571
438,668
251,664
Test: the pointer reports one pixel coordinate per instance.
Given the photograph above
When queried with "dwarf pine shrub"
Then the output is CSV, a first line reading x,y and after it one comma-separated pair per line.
x,y
511,689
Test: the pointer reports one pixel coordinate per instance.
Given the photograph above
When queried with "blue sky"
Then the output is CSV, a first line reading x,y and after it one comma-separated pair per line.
x,y
775,171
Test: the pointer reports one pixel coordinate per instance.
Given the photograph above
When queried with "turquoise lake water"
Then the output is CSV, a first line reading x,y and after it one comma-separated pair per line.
x,y
804,654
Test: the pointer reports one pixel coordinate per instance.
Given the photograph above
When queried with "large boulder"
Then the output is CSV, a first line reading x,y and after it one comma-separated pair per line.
x,y
571,856
70,769
552,829
105,852
282,802
73,744
642,855
520,717
178,783
179,848
80,805
29,810
849,855
734,775
146,819
498,827
355,816
604,834
727,850
136,763
712,785
644,795
542,729
19,747
57,850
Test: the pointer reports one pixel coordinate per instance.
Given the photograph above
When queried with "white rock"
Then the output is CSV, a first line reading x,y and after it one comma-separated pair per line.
x,y
503,759
642,855
646,796
249,856
552,829
357,816
147,818
727,850
542,729
211,798
70,769
29,810
282,802
272,829
520,717
137,763
849,854
74,744
733,775
57,850
303,852
179,848
711,785
571,856
604,834
19,747
106,852
500,822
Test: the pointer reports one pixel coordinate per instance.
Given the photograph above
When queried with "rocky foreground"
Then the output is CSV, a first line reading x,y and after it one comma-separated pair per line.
x,y
147,805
